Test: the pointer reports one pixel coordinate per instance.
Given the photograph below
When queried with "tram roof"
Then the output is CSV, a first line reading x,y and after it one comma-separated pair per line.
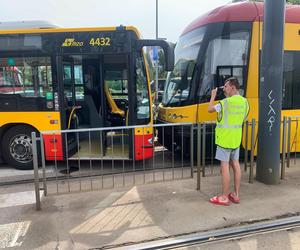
x,y
240,12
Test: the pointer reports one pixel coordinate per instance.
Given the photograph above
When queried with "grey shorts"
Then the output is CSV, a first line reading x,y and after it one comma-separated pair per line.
x,y
224,154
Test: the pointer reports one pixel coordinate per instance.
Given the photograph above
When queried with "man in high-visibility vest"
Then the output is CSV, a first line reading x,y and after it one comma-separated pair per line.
x,y
232,112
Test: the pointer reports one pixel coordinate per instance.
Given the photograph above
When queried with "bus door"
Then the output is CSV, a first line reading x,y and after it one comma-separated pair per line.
x,y
69,118
101,102
68,85
115,110
82,99
91,114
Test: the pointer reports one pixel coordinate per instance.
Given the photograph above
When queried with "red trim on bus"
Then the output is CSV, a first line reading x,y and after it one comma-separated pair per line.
x,y
240,12
143,148
53,147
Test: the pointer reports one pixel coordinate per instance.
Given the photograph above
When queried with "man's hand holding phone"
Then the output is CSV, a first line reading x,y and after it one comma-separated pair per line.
x,y
214,92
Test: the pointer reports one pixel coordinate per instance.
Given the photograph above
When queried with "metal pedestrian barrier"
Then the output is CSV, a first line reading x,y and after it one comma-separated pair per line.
x,y
290,143
206,149
102,158
288,153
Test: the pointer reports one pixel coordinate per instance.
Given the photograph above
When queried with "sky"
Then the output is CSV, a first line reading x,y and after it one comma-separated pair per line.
x,y
173,15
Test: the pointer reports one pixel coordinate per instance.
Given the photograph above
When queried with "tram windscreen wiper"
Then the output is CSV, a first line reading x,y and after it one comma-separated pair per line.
x,y
178,91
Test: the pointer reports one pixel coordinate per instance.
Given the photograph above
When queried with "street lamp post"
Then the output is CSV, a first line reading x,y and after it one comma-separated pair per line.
x,y
270,93
156,63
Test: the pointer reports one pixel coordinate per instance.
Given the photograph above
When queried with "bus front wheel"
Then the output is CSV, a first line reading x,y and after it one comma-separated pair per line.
x,y
17,147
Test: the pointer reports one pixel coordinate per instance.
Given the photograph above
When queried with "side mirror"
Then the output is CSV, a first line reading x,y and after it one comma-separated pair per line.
x,y
167,47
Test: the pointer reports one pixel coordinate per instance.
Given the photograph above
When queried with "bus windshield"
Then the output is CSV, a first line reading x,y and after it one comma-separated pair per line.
x,y
179,80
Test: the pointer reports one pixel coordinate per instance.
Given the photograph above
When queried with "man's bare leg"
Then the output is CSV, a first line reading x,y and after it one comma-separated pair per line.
x,y
237,176
225,179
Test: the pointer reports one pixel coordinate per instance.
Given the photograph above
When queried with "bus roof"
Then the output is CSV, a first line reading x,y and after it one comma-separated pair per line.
x,y
22,30
26,25
239,12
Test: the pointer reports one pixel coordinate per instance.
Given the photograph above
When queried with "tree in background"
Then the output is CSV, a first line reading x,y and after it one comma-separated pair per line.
x,y
162,74
151,66
293,1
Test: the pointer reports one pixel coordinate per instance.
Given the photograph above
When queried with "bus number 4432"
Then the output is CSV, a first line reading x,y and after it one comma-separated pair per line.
x,y
100,41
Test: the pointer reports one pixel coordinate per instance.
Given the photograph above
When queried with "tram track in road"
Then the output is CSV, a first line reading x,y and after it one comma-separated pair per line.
x,y
234,232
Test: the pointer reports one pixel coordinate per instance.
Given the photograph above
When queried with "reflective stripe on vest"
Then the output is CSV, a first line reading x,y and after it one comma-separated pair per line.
x,y
229,126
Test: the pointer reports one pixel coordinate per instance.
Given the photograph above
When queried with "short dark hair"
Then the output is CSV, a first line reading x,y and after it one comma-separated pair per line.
x,y
233,81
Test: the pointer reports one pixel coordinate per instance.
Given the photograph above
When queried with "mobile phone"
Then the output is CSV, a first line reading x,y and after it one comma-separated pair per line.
x,y
220,91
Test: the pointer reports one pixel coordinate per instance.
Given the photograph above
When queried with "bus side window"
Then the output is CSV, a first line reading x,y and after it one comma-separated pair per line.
x,y
30,78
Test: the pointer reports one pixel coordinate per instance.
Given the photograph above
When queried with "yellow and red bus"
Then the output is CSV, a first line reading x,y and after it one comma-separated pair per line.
x,y
48,74
226,42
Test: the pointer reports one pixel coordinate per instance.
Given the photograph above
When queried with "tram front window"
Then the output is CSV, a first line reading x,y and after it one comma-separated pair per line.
x,y
179,80
225,56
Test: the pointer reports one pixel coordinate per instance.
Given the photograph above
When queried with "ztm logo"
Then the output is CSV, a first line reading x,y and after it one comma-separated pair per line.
x,y
71,42
68,42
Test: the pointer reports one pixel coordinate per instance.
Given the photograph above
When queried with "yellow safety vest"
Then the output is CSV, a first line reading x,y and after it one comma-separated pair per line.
x,y
230,120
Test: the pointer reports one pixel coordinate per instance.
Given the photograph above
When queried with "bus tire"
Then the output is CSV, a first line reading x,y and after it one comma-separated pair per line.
x,y
17,147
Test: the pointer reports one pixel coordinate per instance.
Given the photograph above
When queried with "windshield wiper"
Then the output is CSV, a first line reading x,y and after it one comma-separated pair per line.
x,y
177,92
